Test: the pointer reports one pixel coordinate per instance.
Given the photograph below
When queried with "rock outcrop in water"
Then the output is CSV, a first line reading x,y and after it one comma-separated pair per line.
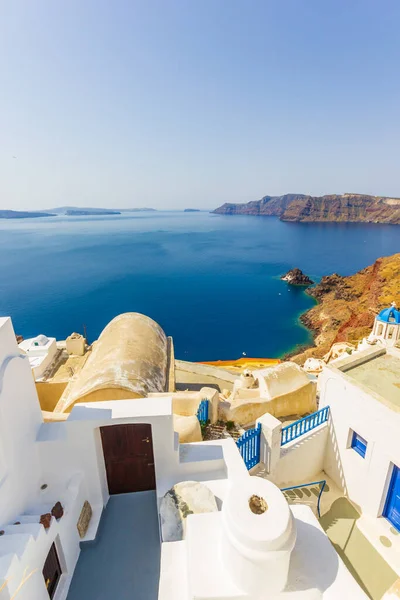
x,y
297,277
330,208
347,306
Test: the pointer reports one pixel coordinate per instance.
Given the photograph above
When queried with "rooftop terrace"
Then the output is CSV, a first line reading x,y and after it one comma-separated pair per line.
x,y
379,373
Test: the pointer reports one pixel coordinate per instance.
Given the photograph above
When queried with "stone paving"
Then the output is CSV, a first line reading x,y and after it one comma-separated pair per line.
x,y
124,561
339,519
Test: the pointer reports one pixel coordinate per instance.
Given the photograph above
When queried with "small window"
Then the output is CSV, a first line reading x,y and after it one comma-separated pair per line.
x,y
359,444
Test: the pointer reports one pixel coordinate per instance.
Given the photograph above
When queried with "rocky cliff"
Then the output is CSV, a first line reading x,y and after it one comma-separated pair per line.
x,y
269,206
334,207
347,305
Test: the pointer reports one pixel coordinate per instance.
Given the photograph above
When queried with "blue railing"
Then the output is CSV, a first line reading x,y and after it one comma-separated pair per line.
x,y
298,428
322,482
202,412
249,446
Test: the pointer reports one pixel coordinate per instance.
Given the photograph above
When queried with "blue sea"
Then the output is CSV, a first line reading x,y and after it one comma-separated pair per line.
x,y
211,281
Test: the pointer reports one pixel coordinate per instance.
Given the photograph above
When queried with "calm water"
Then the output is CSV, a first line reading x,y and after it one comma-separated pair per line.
x,y
211,281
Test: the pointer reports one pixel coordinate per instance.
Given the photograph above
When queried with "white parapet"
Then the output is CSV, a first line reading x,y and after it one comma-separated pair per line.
x,y
259,534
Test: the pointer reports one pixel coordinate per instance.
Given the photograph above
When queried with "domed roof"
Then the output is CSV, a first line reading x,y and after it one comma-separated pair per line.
x,y
282,379
130,354
389,315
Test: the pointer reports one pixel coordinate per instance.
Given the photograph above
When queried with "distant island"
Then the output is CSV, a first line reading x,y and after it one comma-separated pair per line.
x,y
81,212
24,214
346,208
89,210
138,209
192,210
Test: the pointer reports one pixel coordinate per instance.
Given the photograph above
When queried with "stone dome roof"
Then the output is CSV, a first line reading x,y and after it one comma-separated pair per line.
x,y
389,315
282,379
130,355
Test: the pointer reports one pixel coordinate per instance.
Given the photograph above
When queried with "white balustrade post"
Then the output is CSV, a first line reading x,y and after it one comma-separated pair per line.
x,y
270,442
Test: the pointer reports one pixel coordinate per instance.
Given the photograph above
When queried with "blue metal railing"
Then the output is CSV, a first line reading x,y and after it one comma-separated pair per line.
x,y
298,428
249,446
202,412
322,482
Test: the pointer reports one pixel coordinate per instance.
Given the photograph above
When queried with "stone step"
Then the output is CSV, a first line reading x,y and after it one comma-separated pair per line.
x,y
25,519
28,519
32,529
14,544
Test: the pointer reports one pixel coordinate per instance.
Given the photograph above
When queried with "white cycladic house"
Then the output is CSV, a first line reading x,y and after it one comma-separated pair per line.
x,y
357,447
363,393
41,351
254,547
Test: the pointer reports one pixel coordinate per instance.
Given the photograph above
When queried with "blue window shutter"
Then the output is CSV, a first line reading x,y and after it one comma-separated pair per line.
x,y
359,444
392,505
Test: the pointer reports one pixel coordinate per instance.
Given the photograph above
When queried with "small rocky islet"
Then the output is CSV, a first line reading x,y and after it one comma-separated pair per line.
x,y
297,277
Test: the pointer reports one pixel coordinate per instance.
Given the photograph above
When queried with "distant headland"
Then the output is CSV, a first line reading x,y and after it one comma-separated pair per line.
x,y
346,208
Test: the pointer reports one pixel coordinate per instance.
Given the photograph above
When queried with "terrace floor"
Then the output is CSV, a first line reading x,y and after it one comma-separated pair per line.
x,y
340,521
124,560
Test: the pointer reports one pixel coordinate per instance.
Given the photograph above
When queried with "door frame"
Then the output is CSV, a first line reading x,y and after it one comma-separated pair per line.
x,y
101,454
61,564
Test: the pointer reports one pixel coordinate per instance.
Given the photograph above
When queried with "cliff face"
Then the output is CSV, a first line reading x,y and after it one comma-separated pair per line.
x,y
347,306
331,208
272,206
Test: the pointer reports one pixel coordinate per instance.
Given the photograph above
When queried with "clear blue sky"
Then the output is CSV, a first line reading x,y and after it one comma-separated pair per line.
x,y
192,103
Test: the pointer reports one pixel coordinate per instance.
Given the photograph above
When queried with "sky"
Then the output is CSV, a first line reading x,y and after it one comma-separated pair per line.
x,y
192,103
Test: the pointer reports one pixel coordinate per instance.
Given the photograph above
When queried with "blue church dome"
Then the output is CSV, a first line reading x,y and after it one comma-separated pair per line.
x,y
390,315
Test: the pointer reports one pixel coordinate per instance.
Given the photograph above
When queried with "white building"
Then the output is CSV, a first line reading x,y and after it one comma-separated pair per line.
x,y
41,351
117,460
363,393
356,446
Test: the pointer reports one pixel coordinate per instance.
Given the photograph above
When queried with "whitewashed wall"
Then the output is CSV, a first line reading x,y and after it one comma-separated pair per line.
x,y
301,460
20,419
353,408
298,461
21,477
75,444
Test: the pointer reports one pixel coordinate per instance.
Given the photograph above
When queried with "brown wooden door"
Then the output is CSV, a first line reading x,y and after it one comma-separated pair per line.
x,y
128,456
52,571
